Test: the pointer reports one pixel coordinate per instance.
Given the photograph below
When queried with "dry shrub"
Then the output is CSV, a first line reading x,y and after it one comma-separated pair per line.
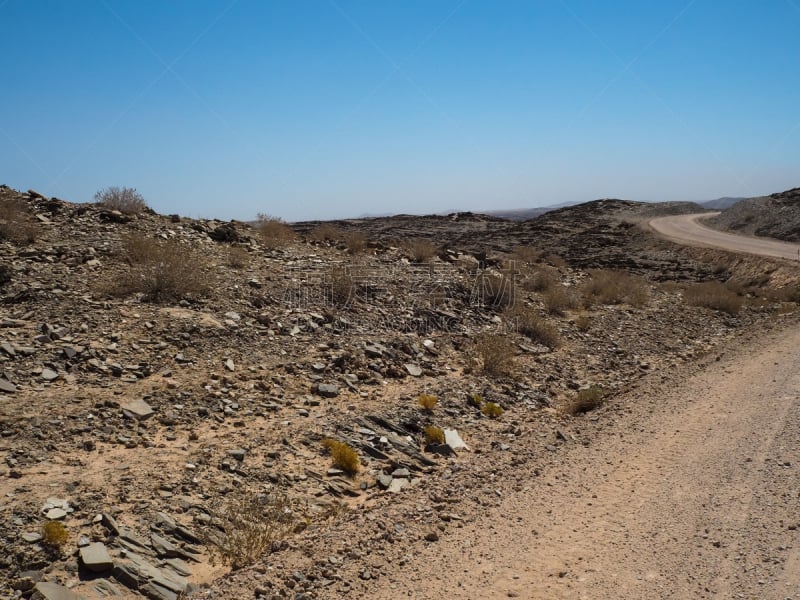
x,y
526,321
496,353
251,526
475,400
714,295
492,410
525,254
356,242
161,270
583,322
539,279
495,291
342,455
427,402
420,250
556,260
54,534
586,400
16,222
126,200
433,434
339,286
274,231
237,257
606,286
326,232
558,299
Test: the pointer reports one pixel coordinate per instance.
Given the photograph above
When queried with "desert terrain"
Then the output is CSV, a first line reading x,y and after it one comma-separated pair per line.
x,y
571,406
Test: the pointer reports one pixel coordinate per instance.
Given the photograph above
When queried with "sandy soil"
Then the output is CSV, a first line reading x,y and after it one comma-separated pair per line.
x,y
692,492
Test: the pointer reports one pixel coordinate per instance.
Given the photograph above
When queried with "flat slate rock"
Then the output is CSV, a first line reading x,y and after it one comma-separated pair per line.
x,y
138,409
46,590
96,558
328,390
7,387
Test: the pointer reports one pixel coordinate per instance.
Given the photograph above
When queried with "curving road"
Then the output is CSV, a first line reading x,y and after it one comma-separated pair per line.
x,y
687,230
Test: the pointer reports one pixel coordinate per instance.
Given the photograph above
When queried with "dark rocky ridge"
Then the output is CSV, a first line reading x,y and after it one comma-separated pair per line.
x,y
776,215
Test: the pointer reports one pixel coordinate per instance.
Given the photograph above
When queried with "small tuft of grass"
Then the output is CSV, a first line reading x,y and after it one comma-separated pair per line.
x,y
339,286
326,232
343,456
55,534
433,434
586,400
558,299
496,353
420,250
495,291
492,410
237,257
124,199
713,295
526,321
427,402
475,400
16,222
356,242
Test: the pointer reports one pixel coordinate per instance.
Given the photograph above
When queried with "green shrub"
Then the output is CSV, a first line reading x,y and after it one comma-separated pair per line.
x,y
54,534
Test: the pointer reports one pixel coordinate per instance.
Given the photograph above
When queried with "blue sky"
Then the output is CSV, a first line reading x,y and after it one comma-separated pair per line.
x,y
332,108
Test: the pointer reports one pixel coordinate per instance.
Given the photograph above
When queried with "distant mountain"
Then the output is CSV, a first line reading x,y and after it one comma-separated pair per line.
x,y
720,203
523,214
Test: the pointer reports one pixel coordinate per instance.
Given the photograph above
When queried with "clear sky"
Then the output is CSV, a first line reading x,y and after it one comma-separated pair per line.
x,y
332,108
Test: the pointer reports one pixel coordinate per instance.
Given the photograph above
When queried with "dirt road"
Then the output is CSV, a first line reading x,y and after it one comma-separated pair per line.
x,y
687,491
686,229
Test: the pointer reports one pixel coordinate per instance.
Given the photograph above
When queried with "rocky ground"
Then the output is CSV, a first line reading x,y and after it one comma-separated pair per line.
x,y
776,215
150,422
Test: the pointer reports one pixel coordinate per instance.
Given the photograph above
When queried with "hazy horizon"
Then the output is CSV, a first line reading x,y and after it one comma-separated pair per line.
x,y
322,109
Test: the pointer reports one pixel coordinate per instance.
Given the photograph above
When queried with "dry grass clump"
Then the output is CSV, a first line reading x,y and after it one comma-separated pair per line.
x,y
606,286
54,534
525,254
250,526
427,402
556,260
475,400
274,231
433,434
714,295
237,257
496,353
356,242
16,222
343,456
539,279
495,291
527,321
492,410
124,199
583,322
339,286
586,400
161,270
420,250
558,299
326,232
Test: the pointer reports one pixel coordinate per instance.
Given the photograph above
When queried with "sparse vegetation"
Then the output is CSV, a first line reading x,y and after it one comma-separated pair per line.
x,y
161,270
420,250
16,222
326,232
492,410
496,353
274,231
583,322
251,526
427,402
538,279
495,291
526,321
237,257
339,286
614,287
343,456
55,534
475,400
714,295
126,200
433,434
356,242
525,254
558,299
586,400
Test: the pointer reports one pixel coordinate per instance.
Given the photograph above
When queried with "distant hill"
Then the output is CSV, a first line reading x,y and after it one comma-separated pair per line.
x,y
720,203
524,214
776,216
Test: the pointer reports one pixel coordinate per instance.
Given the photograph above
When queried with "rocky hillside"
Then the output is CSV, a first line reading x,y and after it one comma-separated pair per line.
x,y
179,397
777,216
